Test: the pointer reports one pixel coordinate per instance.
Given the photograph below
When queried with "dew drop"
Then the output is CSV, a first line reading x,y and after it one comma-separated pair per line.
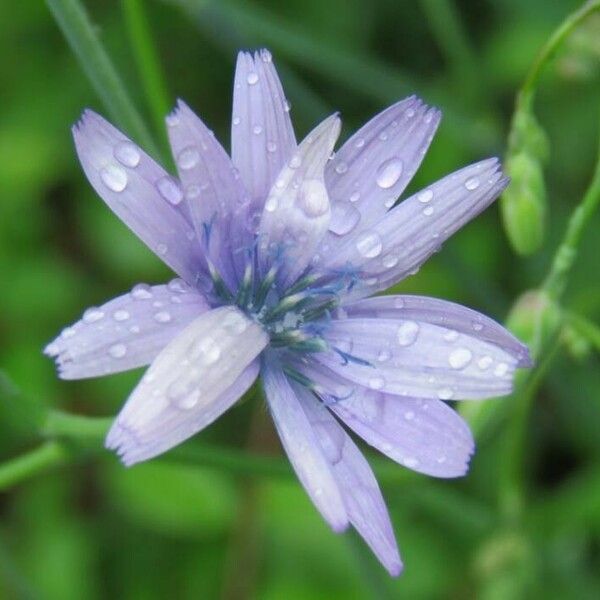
x,y
428,211
354,197
360,142
409,415
451,335
162,316
127,154
68,332
169,190
271,147
177,285
271,204
142,291
460,358
425,196
257,130
234,323
313,199
162,249
389,261
114,178
501,369
472,183
485,362
344,218
295,162
341,167
369,244
407,333
388,173
399,302
121,315
117,350
236,120
188,158
252,78
376,383
445,393
411,462
384,355
91,315
172,120
477,326
207,351
287,106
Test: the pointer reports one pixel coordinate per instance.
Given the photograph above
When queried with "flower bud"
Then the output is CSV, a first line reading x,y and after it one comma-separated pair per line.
x,y
523,203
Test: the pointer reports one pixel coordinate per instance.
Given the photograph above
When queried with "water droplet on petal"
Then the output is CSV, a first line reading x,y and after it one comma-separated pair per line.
x,y
172,120
460,358
425,196
472,183
127,154
384,355
477,326
114,178
360,142
407,333
410,462
188,158
344,218
169,189
162,316
177,285
369,244
271,204
121,315
451,335
485,362
389,261
236,120
376,383
162,249
287,106
252,78
409,415
271,146
354,196
445,393
313,199
399,302
117,350
257,130
142,291
341,167
234,323
428,211
295,162
388,173
91,315
501,369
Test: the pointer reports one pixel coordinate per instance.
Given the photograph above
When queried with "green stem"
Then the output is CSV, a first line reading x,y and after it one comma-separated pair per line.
x,y
153,82
48,455
566,254
529,86
79,31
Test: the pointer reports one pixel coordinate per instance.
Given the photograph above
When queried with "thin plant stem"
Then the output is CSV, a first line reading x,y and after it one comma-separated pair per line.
x,y
151,74
82,36
529,86
50,454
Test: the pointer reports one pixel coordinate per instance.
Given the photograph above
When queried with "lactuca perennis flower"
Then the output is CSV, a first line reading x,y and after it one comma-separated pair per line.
x,y
278,249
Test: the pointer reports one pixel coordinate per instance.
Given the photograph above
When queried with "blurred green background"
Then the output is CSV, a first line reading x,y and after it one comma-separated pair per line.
x,y
217,528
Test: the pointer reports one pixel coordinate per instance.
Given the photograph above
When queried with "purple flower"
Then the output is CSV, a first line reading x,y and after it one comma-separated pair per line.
x,y
278,249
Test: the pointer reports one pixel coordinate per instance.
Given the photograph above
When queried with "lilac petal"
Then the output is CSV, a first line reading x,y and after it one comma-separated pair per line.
x,y
189,384
297,210
426,436
417,359
140,193
302,447
127,332
449,315
174,427
376,164
399,243
361,495
212,187
262,136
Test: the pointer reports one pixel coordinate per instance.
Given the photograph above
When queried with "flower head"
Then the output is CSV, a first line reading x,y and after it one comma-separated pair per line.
x,y
278,249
